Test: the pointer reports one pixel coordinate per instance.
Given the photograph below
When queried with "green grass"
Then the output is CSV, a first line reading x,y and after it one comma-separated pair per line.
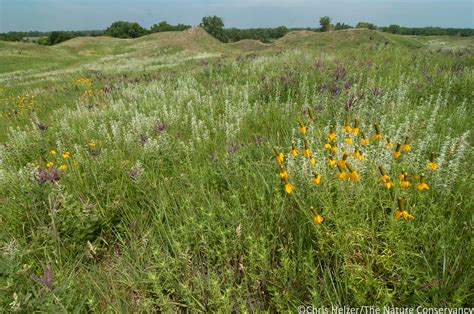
x,y
180,206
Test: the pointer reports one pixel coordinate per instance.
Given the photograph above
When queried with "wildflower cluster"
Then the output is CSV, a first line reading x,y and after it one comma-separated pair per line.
x,y
56,164
339,155
15,105
83,81
85,85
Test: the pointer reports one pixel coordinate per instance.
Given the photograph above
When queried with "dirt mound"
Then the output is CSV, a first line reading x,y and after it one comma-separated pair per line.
x,y
80,41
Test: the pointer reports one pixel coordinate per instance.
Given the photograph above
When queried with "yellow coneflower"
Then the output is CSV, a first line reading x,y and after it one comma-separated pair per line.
x,y
347,127
302,129
401,211
355,129
288,186
389,144
66,155
403,177
49,164
294,151
317,218
384,177
312,161
396,153
306,151
358,154
364,140
353,175
311,115
342,163
327,145
432,165
279,156
406,145
316,178
332,161
53,152
404,184
332,134
341,174
63,167
348,140
283,173
422,185
377,134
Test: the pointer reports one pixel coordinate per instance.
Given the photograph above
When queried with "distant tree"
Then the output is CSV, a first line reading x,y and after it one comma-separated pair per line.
x,y
394,29
163,26
366,25
58,37
325,23
340,26
214,26
122,29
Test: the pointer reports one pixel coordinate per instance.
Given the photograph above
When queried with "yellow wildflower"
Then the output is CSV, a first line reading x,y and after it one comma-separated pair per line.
x,y
294,151
63,167
404,184
347,127
92,144
355,129
422,185
66,155
342,163
341,174
401,211
302,129
364,140
327,145
288,188
317,218
332,161
396,153
316,178
53,152
332,134
312,161
432,165
348,140
37,165
49,164
279,158
306,151
358,154
377,134
406,146
389,144
353,175
283,173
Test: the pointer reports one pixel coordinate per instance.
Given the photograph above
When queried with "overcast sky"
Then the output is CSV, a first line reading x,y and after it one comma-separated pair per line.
x,y
46,15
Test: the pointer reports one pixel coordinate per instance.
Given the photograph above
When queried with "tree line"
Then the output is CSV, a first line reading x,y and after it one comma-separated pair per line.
x,y
214,25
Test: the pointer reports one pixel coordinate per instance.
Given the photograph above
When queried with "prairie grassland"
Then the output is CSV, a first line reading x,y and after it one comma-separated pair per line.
x,y
159,174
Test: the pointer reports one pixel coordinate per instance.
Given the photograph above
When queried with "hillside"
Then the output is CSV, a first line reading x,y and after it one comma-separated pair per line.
x,y
85,50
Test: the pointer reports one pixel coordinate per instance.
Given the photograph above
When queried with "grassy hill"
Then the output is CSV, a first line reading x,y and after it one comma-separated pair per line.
x,y
82,50
173,172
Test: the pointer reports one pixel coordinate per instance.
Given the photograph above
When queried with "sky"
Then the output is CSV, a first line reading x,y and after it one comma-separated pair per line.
x,y
49,15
